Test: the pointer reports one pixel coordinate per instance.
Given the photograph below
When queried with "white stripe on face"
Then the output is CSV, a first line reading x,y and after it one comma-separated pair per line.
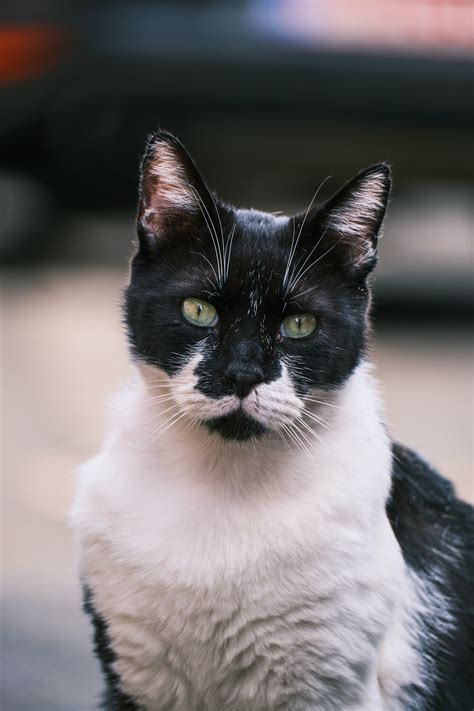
x,y
271,404
191,400
275,403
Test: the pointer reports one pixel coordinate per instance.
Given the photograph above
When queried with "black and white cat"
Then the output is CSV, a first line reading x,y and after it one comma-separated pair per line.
x,y
251,539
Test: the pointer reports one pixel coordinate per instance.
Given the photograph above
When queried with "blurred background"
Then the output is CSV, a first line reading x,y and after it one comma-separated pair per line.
x,y
270,98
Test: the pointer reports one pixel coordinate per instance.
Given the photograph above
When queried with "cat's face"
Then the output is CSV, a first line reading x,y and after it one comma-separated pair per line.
x,y
249,314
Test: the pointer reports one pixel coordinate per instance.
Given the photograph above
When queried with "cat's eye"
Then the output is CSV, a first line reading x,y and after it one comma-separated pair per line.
x,y
298,326
199,313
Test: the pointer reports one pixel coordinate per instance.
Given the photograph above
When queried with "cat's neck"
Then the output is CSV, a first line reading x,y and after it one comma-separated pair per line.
x,y
195,498
343,444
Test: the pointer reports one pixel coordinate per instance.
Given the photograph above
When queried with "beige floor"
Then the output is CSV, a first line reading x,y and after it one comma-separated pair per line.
x,y
63,356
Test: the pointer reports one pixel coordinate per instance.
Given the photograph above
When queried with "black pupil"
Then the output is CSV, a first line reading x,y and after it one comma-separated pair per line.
x,y
199,310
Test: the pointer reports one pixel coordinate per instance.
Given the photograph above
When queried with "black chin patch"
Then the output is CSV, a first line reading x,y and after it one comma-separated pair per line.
x,y
237,426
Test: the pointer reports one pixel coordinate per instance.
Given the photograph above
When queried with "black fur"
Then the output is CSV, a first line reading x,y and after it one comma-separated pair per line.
x,y
175,261
236,426
113,699
435,531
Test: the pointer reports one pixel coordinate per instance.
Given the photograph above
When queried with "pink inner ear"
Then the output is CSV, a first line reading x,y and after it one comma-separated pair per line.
x,y
165,187
358,219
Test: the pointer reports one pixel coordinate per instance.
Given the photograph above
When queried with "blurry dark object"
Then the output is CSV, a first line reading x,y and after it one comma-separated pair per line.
x,y
287,92
202,68
26,214
35,45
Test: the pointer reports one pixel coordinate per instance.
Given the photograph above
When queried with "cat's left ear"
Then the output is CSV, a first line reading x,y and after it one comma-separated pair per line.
x,y
353,217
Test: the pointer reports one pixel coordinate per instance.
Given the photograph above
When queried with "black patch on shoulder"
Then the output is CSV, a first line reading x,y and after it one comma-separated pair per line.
x,y
435,530
113,698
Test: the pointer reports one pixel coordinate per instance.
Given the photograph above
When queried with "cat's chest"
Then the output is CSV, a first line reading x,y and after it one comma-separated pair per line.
x,y
256,639
218,601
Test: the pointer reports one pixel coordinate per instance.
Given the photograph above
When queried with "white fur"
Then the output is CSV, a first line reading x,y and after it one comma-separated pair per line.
x,y
256,294
173,187
246,576
273,404
352,220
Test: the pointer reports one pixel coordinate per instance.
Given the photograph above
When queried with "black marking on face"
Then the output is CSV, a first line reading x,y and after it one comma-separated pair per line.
x,y
236,426
255,269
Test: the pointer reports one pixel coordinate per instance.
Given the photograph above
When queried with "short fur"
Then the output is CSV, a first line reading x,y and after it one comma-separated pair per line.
x,y
250,537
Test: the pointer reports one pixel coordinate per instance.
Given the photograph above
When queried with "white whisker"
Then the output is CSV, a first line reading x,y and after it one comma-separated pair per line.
x,y
317,419
228,249
218,246
164,426
321,402
199,254
300,272
294,243
301,423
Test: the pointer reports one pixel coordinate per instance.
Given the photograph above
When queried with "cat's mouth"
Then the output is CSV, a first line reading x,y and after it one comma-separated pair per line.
x,y
267,407
237,425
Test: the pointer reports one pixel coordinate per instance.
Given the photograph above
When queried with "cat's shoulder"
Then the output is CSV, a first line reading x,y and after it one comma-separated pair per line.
x,y
435,530
419,493
433,526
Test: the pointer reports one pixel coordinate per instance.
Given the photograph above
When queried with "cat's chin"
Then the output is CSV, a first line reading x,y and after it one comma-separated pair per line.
x,y
236,426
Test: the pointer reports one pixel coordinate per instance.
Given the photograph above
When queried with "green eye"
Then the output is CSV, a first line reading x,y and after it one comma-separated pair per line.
x,y
199,313
298,326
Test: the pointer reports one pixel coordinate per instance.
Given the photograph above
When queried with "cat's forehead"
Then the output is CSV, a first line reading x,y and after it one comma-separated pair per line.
x,y
257,240
258,253
257,229
258,219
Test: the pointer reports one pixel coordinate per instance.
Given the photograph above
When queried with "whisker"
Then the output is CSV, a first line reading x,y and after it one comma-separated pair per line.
x,y
169,422
212,231
323,255
286,429
166,384
306,291
220,224
160,384
317,419
302,423
298,435
229,250
218,215
159,414
290,254
284,440
315,262
294,244
212,267
300,272
159,400
321,402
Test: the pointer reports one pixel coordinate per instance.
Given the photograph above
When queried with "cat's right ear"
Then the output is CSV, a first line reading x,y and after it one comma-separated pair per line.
x,y
172,195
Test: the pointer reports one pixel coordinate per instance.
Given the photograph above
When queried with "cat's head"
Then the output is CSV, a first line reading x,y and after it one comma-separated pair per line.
x,y
247,313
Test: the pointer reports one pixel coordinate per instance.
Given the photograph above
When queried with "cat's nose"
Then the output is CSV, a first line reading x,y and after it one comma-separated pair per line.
x,y
243,379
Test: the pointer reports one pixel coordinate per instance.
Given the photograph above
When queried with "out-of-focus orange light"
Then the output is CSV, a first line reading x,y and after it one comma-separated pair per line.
x,y
27,51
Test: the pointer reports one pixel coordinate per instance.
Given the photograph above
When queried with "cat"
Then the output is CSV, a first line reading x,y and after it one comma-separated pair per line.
x,y
250,537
